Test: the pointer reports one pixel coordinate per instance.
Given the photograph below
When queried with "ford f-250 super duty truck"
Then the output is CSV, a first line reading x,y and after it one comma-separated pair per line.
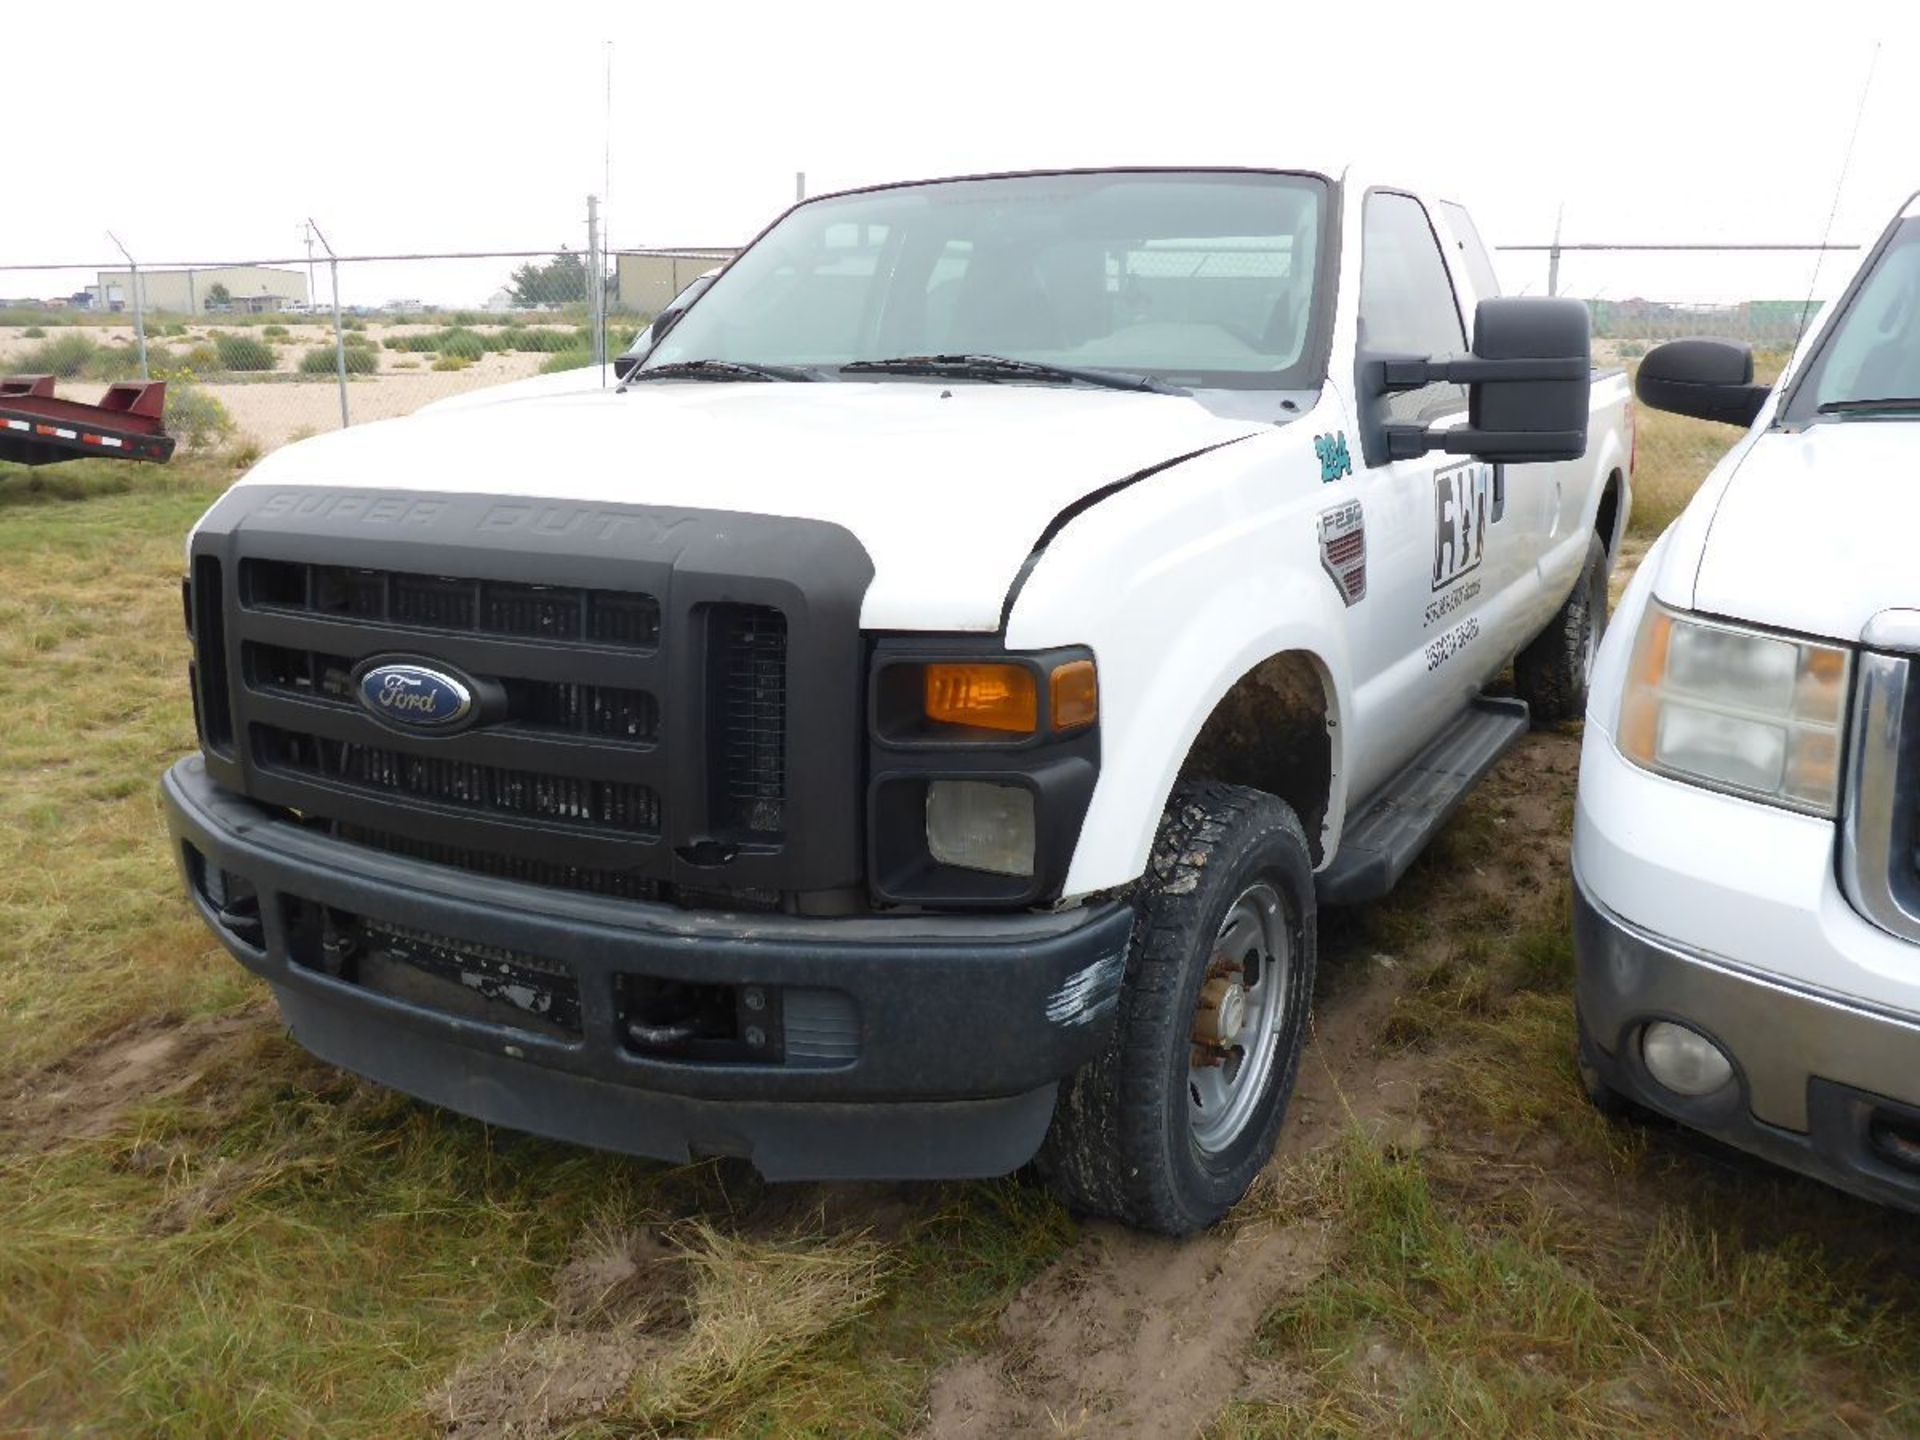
x,y
1748,882
909,724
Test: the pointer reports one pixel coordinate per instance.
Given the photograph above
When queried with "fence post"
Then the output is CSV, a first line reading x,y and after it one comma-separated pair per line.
x,y
339,334
139,304
1553,254
596,287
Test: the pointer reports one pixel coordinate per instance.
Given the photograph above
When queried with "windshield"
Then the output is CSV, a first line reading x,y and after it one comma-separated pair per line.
x,y
1197,278
1872,352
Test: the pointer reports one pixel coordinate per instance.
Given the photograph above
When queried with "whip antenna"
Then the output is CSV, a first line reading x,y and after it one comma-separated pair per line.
x,y
1846,163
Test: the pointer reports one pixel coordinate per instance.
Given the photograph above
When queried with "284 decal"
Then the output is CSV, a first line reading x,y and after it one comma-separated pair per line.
x,y
1334,459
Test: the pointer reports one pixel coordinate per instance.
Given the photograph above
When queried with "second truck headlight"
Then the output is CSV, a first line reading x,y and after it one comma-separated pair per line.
x,y
1734,709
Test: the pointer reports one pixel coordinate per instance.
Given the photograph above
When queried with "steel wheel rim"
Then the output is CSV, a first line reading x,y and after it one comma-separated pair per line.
x,y
1227,1080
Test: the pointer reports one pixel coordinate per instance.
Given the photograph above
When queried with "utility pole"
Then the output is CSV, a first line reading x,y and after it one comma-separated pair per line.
x,y
312,289
799,186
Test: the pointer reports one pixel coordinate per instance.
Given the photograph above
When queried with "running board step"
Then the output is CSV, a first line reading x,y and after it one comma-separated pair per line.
x,y
1382,840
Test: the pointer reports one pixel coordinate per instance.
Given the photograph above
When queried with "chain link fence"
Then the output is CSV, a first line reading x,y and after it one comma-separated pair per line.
x,y
261,352
1761,294
255,356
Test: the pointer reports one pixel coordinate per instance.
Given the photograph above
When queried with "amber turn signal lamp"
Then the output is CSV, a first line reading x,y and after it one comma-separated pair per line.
x,y
987,696
1076,695
1638,728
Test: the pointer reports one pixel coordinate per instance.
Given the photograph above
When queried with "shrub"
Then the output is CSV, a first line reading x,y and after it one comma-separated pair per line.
x,y
361,360
565,360
353,322
463,344
354,340
425,343
33,332
243,352
202,357
65,356
452,362
168,327
274,332
194,417
122,362
538,339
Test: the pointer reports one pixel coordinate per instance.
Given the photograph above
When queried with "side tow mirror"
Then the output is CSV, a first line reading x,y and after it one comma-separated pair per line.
x,y
1707,379
1529,387
678,306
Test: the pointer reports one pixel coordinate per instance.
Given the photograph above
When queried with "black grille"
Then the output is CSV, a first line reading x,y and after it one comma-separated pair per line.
x,y
604,712
623,884
749,669
437,602
206,619
621,807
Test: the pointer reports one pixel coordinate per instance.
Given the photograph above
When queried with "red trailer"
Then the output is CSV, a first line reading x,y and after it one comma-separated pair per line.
x,y
37,427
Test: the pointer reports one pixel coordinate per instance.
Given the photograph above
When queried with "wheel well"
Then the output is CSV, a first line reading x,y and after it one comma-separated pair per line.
x,y
1271,731
1608,520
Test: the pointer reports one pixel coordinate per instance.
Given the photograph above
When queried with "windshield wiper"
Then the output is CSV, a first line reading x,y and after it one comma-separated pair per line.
x,y
1889,403
717,370
997,367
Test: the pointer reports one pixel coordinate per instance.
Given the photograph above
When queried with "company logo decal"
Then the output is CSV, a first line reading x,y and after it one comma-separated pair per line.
x,y
416,697
1462,506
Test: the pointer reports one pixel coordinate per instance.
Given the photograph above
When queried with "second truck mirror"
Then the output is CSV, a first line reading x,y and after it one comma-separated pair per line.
x,y
1529,385
1707,379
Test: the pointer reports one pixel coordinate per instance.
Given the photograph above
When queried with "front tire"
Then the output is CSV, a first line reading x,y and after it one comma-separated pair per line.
x,y
1553,674
1168,1127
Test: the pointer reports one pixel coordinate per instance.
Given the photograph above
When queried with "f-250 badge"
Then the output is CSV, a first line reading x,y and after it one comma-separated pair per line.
x,y
1462,505
1343,549
1334,460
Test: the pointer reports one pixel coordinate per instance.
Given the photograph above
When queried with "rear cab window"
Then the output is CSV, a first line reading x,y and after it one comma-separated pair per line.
x,y
1470,253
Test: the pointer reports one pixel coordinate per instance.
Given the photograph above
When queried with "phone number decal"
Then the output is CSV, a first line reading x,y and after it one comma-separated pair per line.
x,y
1443,648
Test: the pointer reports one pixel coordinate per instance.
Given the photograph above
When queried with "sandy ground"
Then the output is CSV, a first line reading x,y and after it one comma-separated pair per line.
x,y
272,412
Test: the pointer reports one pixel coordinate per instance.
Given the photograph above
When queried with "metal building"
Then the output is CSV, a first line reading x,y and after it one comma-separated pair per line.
x,y
248,288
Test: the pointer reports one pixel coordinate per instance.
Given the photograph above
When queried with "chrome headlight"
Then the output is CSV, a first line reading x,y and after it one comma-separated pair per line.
x,y
1734,709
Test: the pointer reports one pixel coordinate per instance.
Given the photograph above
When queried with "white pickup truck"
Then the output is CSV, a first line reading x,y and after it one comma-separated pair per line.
x,y
1748,883
909,725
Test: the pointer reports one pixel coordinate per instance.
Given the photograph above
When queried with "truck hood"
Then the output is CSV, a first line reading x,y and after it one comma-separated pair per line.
x,y
947,487
1814,531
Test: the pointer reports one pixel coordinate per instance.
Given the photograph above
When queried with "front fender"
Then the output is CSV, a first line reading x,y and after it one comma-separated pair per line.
x,y
1181,585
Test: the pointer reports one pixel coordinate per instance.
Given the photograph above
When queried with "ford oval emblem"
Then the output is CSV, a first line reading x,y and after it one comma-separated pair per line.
x,y
415,697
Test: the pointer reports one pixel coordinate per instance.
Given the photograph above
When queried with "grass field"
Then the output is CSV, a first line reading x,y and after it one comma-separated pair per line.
x,y
209,1234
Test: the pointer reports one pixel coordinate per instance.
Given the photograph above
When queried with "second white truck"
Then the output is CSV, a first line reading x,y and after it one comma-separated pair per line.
x,y
1746,847
910,725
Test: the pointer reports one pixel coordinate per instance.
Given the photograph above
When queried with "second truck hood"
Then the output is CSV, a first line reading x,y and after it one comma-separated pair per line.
x,y
1814,531
946,486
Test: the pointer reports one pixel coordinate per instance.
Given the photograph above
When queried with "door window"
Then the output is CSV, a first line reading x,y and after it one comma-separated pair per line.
x,y
1407,305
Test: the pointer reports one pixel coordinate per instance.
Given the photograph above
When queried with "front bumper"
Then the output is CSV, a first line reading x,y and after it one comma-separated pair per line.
x,y
939,1054
1821,1085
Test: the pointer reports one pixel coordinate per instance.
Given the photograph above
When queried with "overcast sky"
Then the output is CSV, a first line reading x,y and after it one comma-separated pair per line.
x,y
201,130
